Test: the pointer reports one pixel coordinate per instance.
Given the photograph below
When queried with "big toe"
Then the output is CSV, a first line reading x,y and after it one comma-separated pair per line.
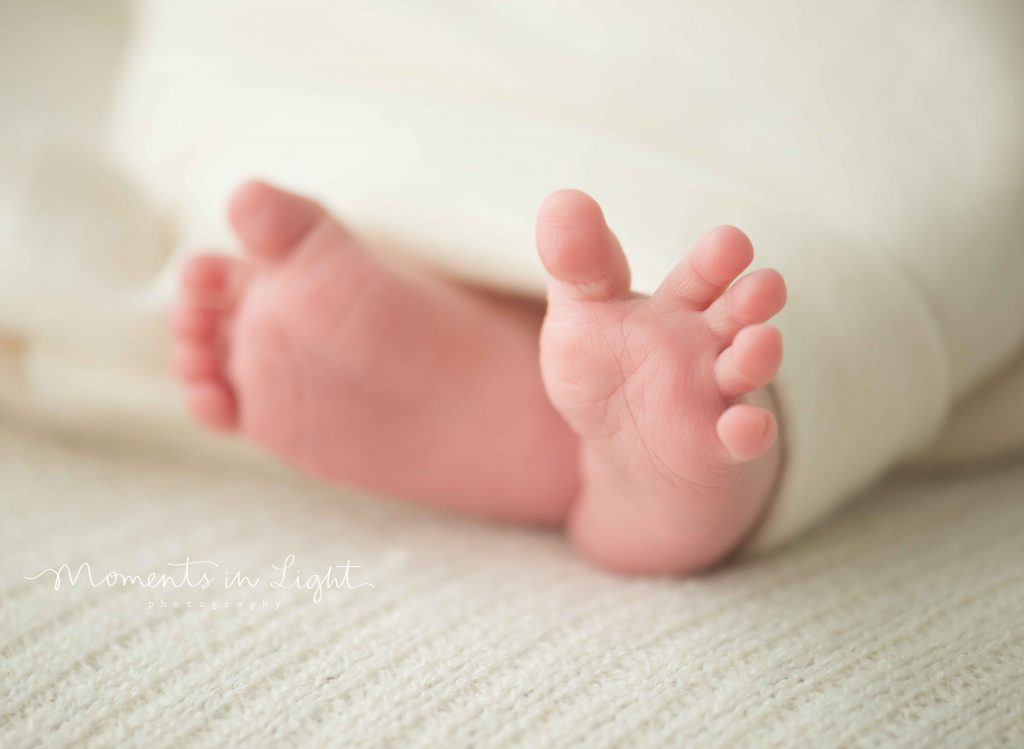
x,y
578,249
271,222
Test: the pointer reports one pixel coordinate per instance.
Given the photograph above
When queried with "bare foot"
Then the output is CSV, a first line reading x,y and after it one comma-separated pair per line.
x,y
405,383
675,472
393,380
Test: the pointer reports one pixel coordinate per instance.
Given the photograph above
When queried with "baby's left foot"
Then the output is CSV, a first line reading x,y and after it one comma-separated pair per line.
x,y
675,471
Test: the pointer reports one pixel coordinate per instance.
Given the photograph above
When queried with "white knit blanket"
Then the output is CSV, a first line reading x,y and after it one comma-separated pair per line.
x,y
898,624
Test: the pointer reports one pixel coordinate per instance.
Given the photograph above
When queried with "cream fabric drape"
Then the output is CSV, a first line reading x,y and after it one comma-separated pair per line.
x,y
872,152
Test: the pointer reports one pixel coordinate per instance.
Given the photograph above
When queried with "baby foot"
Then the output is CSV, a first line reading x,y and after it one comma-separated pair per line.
x,y
675,472
384,377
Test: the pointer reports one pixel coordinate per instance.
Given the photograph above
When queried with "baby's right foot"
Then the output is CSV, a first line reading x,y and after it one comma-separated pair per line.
x,y
675,468
390,379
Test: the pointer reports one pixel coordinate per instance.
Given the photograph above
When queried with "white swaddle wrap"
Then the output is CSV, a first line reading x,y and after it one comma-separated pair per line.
x,y
437,130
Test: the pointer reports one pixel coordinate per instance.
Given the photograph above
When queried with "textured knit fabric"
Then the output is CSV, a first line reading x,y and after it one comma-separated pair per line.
x,y
897,625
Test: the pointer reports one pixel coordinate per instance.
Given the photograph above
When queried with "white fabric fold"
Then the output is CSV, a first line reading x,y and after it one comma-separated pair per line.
x,y
439,133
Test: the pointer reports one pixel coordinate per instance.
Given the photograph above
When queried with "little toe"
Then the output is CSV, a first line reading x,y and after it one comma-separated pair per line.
x,y
213,404
707,270
747,431
578,249
272,222
755,298
750,362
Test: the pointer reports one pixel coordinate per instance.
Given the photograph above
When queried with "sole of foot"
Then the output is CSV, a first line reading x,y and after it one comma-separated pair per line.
x,y
667,392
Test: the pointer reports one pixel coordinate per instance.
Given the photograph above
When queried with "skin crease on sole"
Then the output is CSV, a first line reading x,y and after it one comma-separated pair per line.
x,y
634,432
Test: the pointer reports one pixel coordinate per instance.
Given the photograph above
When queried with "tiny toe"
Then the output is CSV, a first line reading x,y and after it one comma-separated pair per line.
x,y
272,222
746,431
194,363
708,269
196,324
211,281
755,298
750,362
212,404
578,249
